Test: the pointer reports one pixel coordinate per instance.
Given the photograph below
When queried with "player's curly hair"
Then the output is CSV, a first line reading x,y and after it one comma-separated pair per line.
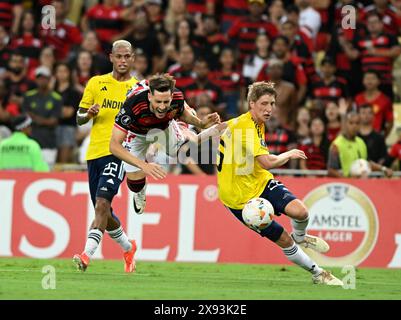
x,y
161,82
258,89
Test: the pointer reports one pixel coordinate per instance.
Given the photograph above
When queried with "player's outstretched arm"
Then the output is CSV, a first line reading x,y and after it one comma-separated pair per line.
x,y
190,118
271,161
84,115
116,148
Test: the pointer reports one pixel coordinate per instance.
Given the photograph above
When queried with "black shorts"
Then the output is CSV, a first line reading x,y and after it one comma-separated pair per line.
x,y
105,176
279,196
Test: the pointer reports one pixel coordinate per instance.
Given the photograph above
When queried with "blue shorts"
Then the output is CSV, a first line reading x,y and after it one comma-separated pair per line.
x,y
279,196
105,176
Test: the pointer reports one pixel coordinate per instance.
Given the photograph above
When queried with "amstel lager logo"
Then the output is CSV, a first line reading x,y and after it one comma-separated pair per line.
x,y
345,217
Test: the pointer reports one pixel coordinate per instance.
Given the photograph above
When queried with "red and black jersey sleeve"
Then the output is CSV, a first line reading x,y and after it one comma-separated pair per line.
x,y
125,116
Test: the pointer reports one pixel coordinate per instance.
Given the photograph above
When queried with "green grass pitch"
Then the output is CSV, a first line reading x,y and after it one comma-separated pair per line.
x,y
21,278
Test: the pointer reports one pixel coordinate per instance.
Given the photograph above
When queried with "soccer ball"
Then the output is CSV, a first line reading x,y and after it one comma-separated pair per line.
x,y
258,213
360,167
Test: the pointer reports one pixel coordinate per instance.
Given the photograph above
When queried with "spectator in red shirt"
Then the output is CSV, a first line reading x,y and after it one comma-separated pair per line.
x,y
183,70
231,11
377,50
327,86
10,14
106,19
293,70
231,83
382,105
64,36
27,40
299,47
316,147
244,31
203,85
387,14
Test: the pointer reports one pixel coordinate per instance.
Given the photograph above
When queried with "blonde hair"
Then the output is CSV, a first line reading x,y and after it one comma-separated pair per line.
x,y
259,89
121,43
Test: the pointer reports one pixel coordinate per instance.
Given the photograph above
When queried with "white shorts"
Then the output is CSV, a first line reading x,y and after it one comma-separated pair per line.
x,y
166,141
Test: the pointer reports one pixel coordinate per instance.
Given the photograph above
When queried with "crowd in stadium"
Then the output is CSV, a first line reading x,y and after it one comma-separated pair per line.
x,y
323,63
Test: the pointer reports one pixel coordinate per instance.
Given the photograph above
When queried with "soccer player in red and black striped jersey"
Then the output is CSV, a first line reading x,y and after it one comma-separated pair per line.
x,y
146,117
377,51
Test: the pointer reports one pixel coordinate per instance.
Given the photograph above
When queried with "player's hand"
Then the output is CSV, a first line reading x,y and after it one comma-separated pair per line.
x,y
154,170
93,111
210,120
297,154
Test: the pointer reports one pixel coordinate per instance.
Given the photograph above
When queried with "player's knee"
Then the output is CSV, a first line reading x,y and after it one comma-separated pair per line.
x,y
301,212
102,207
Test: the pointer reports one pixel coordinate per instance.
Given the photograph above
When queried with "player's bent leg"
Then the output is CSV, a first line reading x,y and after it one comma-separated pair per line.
x,y
116,232
277,234
298,213
296,255
95,235
136,182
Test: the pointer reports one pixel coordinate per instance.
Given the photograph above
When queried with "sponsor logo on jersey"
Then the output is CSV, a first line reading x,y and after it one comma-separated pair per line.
x,y
112,104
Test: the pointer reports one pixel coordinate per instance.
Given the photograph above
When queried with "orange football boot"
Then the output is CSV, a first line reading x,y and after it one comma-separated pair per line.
x,y
81,261
130,265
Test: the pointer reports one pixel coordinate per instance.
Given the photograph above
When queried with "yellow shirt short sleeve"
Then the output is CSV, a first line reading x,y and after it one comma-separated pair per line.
x,y
88,97
240,176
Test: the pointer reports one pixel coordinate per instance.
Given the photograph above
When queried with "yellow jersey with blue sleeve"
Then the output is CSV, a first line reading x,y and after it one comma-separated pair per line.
x,y
110,95
239,176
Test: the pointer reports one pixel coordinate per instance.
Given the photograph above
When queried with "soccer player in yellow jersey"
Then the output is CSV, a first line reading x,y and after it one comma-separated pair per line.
x,y
243,164
101,101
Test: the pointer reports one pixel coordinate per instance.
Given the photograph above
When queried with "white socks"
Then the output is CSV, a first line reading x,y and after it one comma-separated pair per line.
x,y
119,236
297,256
299,228
94,238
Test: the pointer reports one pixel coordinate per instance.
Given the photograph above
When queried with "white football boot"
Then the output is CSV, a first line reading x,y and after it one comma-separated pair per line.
x,y
314,243
139,200
325,277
